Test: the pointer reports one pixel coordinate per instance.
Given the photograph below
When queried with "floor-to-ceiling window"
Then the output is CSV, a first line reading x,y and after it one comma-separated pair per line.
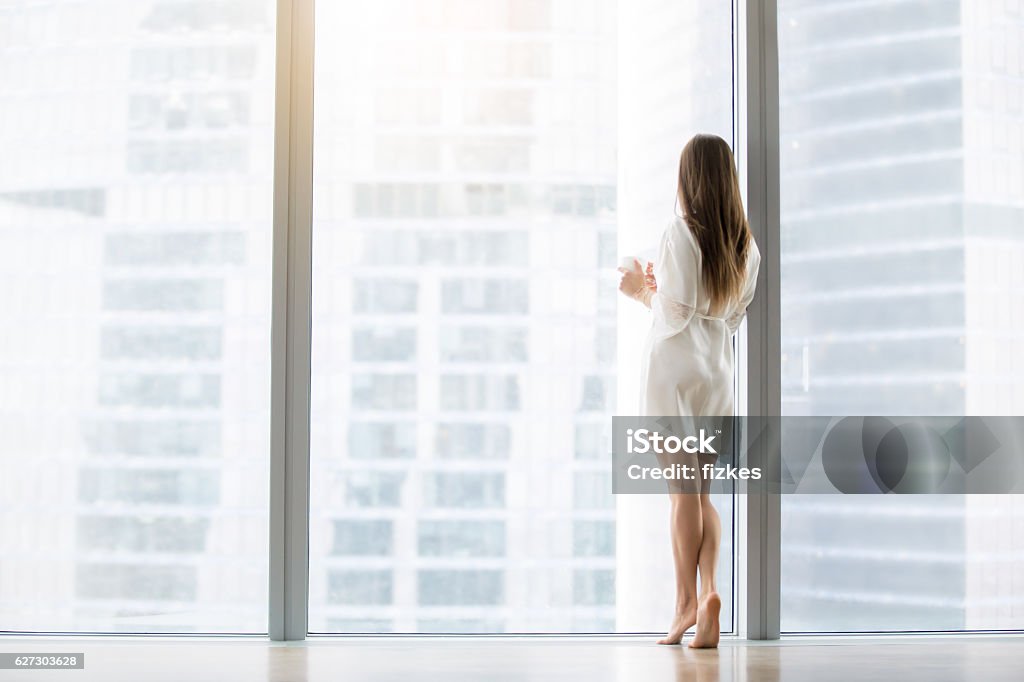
x,y
480,165
902,187
468,209
135,225
471,187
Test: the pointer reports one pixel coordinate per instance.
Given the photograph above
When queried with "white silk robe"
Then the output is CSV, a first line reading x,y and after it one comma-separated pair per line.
x,y
687,364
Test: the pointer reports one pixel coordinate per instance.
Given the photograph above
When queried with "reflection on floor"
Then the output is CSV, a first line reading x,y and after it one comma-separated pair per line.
x,y
409,658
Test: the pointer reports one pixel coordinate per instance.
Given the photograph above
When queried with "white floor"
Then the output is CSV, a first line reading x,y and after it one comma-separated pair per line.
x,y
931,659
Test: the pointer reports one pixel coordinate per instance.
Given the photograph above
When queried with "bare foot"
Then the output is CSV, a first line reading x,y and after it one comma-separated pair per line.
x,y
683,621
708,627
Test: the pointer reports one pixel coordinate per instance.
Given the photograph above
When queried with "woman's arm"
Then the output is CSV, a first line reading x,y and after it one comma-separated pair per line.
x,y
678,272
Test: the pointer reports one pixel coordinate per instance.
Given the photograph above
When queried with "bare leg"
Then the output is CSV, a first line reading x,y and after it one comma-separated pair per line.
x,y
710,604
711,540
686,529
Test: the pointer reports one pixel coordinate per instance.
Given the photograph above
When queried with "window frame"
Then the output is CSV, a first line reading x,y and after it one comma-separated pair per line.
x,y
758,381
759,350
291,317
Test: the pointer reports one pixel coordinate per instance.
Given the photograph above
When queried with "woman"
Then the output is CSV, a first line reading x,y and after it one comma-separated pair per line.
x,y
698,291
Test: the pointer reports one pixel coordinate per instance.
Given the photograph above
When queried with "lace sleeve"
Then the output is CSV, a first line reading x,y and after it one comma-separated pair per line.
x,y
670,316
676,269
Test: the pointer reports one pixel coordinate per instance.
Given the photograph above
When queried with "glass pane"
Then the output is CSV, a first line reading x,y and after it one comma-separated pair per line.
x,y
466,232
678,57
902,254
135,222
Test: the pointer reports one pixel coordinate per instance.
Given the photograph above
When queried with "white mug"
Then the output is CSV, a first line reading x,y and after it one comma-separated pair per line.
x,y
626,262
645,256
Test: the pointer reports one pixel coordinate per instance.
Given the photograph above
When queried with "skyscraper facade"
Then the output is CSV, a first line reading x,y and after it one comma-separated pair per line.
x,y
136,201
901,233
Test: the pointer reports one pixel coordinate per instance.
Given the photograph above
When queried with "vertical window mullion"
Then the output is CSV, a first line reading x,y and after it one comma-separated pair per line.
x,y
291,300
760,351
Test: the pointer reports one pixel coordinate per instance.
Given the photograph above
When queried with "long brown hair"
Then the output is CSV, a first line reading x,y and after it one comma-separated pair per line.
x,y
709,194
